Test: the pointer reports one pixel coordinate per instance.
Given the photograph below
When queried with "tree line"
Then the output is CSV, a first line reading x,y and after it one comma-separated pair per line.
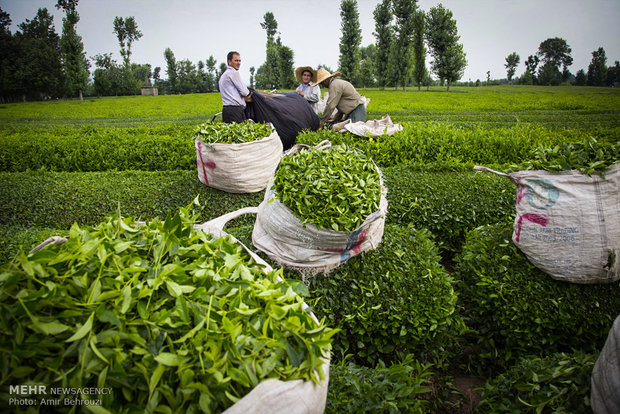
x,y
554,54
37,63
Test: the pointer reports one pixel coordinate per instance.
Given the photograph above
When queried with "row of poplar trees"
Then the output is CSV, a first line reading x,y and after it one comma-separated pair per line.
x,y
398,58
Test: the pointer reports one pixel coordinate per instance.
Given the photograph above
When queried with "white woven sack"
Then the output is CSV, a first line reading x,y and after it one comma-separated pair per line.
x,y
279,234
271,396
238,168
605,394
373,128
568,223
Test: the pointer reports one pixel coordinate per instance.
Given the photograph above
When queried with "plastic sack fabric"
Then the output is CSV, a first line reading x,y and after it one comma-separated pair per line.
x,y
279,234
289,113
605,394
373,128
238,168
568,223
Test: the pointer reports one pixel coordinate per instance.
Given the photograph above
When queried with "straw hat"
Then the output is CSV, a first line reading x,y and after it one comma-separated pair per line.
x,y
322,75
300,70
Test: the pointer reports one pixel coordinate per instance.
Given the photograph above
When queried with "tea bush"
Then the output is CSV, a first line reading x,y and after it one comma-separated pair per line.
x,y
59,199
391,301
516,309
447,144
559,383
92,148
392,389
448,203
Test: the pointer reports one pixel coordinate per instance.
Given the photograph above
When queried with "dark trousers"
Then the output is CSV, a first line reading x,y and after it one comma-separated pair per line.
x,y
231,114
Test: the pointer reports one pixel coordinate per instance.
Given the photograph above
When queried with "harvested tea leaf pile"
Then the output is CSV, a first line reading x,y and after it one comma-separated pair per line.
x,y
335,189
235,133
167,317
587,156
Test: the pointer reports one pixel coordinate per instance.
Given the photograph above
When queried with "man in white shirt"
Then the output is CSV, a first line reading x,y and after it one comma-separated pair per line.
x,y
234,92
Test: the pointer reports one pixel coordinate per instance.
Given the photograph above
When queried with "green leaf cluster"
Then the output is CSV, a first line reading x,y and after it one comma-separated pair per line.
x,y
235,133
335,189
166,316
586,156
559,383
515,309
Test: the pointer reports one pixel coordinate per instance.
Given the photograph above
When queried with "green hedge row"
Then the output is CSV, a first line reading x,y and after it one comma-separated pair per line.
x,y
450,146
171,146
516,309
91,148
447,203
59,199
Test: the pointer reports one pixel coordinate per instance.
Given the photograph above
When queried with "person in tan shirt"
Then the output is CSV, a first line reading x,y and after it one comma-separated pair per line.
x,y
342,97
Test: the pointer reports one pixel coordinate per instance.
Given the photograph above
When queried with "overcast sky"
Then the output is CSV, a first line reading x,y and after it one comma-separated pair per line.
x,y
195,29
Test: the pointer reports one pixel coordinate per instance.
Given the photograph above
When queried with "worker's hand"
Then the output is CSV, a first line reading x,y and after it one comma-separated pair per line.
x,y
300,92
249,97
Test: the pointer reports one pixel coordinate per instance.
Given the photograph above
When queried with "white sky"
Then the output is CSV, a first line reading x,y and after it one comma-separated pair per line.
x,y
194,29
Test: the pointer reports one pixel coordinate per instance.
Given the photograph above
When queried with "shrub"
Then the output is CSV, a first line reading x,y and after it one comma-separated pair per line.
x,y
59,199
516,309
559,383
391,302
443,143
95,148
448,203
393,389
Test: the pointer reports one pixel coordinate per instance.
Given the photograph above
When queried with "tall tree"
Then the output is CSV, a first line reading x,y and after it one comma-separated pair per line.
x,y
581,78
531,64
402,51
419,51
268,75
171,70
597,69
350,40
252,72
74,61
126,31
8,60
211,74
286,70
366,73
271,27
449,60
384,34
512,61
556,52
39,67
613,74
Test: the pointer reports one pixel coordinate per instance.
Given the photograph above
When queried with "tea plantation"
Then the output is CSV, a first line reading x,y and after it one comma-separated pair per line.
x,y
445,316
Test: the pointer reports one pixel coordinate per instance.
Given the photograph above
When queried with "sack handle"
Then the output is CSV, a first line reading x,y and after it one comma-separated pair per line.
x,y
486,169
321,146
51,240
216,226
